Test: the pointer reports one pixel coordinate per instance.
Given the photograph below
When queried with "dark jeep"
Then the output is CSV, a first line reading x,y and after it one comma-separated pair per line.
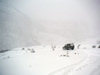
x,y
69,46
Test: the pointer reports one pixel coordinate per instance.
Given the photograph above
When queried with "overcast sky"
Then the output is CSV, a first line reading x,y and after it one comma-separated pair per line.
x,y
47,20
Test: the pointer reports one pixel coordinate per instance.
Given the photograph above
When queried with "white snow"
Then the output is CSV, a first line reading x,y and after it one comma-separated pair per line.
x,y
45,61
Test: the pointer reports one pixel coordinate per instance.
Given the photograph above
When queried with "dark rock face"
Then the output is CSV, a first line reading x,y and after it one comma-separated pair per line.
x,y
2,51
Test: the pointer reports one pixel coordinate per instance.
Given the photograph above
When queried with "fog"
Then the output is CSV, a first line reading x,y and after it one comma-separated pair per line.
x,y
37,22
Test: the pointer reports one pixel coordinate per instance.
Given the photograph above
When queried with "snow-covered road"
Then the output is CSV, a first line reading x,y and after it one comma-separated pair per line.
x,y
45,61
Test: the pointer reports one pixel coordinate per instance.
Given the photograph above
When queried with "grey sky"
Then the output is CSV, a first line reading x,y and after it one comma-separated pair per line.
x,y
46,20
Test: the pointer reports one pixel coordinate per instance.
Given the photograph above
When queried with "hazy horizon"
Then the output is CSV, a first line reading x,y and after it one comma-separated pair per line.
x,y
35,22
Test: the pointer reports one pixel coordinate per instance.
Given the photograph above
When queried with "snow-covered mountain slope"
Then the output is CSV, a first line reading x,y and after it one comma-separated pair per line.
x,y
42,60
16,29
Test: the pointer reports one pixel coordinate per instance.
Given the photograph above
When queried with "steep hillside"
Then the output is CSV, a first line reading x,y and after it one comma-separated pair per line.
x,y
16,29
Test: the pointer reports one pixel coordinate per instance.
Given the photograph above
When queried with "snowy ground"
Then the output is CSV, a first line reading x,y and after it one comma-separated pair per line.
x,y
45,61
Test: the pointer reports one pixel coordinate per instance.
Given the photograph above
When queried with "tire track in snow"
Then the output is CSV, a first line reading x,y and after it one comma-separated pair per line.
x,y
92,63
67,69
